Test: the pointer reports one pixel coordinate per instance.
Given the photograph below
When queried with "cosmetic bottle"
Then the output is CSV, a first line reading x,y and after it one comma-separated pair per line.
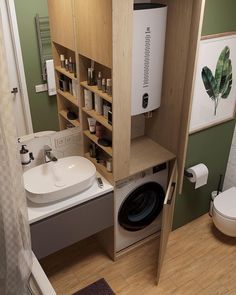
x,y
106,109
70,65
62,60
66,64
109,165
99,130
98,104
99,81
103,85
88,99
109,87
91,77
92,124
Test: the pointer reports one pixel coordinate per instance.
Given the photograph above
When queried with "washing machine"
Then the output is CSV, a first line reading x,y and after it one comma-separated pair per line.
x,y
138,206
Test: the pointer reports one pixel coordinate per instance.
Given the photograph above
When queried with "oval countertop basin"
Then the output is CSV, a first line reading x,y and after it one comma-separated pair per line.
x,y
53,181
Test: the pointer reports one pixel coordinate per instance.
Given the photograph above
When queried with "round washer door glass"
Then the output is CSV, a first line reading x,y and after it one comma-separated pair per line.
x,y
141,207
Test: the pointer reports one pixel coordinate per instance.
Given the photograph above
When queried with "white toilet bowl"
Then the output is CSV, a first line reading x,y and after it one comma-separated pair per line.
x,y
224,212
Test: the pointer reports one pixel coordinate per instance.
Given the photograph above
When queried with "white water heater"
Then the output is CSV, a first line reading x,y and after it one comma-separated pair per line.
x,y
149,27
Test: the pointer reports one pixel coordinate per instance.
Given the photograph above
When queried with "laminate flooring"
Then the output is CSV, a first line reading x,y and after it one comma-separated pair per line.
x,y
199,260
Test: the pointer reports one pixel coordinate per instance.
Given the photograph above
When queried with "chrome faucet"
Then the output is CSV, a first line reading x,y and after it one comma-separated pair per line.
x,y
48,155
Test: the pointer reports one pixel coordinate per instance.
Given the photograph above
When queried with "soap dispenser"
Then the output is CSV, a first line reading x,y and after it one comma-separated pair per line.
x,y
26,157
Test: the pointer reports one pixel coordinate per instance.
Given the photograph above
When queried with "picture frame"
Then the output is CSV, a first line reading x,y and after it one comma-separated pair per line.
x,y
214,91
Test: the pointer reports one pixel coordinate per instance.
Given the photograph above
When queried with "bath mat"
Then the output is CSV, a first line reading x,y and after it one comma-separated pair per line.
x,y
100,287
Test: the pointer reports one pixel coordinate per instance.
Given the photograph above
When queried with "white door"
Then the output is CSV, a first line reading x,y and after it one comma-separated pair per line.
x,y
15,68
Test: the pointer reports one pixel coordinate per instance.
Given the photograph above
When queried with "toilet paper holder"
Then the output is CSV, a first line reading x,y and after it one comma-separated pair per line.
x,y
187,174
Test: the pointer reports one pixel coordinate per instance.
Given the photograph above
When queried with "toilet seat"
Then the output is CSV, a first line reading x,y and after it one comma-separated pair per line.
x,y
225,204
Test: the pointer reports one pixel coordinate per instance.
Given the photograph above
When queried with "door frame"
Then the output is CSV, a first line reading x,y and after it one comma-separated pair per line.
x,y
13,27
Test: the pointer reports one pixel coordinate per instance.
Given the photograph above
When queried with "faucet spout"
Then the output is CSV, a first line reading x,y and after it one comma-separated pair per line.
x,y
48,155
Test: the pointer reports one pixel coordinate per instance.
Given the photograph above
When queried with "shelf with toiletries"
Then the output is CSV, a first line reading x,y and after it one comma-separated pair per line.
x,y
95,89
65,72
67,86
99,118
102,168
67,95
64,115
95,139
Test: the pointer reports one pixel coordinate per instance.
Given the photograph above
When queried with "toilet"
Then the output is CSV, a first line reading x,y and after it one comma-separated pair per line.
x,y
224,212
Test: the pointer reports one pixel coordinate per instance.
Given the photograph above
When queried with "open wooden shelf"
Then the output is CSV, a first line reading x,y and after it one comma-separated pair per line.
x,y
94,138
146,153
66,73
68,96
101,168
94,89
101,119
63,113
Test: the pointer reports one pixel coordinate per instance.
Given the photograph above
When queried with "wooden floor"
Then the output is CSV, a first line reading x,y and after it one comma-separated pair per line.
x,y
199,260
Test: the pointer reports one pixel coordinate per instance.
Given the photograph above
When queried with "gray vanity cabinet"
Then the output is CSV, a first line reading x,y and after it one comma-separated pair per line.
x,y
68,227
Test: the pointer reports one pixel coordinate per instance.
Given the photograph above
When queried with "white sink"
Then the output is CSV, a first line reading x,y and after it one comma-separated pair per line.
x,y
54,181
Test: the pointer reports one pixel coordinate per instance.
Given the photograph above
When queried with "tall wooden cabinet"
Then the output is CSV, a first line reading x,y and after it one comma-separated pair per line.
x,y
99,33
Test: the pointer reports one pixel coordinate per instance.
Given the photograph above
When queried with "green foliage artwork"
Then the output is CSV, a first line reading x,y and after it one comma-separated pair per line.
x,y
219,86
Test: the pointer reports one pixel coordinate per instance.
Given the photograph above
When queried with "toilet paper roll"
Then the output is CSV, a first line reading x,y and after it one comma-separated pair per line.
x,y
200,175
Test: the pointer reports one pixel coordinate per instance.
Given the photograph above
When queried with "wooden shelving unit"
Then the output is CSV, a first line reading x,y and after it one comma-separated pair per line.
x,y
101,119
66,73
63,114
69,97
94,89
94,139
100,35
101,168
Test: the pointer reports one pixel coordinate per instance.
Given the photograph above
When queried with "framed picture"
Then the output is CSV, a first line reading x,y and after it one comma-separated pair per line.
x,y
214,92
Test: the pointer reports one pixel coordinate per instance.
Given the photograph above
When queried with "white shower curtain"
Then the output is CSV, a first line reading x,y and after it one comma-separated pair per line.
x,y
15,247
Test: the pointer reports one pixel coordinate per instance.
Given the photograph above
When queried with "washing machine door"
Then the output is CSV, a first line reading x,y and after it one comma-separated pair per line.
x,y
141,207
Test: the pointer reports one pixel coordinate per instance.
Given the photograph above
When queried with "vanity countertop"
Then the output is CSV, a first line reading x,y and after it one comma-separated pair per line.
x,y
38,212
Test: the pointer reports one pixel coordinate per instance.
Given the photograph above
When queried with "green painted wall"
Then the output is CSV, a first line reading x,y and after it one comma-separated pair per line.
x,y
43,107
211,146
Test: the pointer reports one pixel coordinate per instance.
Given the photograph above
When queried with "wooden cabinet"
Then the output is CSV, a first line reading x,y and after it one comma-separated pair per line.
x,y
167,217
62,23
102,37
94,30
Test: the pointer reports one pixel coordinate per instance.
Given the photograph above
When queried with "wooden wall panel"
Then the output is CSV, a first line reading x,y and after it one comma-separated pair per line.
x,y
94,30
122,15
61,22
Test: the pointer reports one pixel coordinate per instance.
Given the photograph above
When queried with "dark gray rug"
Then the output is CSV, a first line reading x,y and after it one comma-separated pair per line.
x,y
100,287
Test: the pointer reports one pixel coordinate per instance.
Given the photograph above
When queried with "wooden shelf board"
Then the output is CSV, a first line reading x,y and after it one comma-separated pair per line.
x,y
94,138
94,89
145,153
102,169
66,73
99,118
68,96
63,113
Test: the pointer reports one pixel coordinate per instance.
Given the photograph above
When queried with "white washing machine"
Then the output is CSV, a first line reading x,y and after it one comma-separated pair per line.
x,y
138,206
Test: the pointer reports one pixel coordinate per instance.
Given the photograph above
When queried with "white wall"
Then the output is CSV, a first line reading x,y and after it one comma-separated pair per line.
x,y
230,176
63,143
